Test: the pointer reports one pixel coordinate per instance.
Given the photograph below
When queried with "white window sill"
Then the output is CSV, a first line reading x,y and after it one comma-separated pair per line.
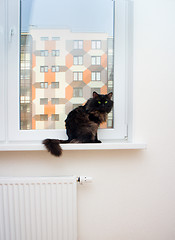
x,y
110,145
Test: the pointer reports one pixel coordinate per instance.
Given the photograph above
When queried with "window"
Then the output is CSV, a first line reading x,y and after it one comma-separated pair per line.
x,y
96,60
55,53
27,77
43,69
55,68
78,60
78,76
43,117
78,92
96,44
95,76
55,100
78,44
43,101
55,38
54,84
44,53
55,117
44,38
44,85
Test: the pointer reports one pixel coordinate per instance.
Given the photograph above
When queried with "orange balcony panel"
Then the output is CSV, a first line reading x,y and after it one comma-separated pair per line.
x,y
33,93
69,60
104,90
69,92
33,61
104,60
49,109
33,123
49,76
87,76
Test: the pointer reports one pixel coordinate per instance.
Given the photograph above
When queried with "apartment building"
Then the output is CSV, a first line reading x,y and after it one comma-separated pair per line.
x,y
66,68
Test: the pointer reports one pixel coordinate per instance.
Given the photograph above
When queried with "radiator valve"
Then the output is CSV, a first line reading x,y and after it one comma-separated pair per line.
x,y
84,179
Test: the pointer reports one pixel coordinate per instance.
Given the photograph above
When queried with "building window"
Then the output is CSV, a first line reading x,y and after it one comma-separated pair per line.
x,y
43,101
55,68
78,76
78,44
55,53
43,69
96,60
44,53
43,117
44,38
55,38
96,44
54,84
78,92
44,85
95,76
78,60
55,101
55,117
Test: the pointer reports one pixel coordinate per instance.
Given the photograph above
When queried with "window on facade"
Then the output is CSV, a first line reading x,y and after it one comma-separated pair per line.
x,y
86,63
44,69
96,60
95,76
54,84
55,100
43,101
78,60
55,38
44,38
55,117
78,76
78,44
44,85
55,53
43,117
96,44
55,68
44,53
78,92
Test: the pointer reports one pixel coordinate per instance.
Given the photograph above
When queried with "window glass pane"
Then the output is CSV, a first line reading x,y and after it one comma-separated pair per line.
x,y
51,52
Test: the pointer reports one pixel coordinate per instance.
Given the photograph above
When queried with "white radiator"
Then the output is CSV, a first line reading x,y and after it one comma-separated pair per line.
x,y
38,208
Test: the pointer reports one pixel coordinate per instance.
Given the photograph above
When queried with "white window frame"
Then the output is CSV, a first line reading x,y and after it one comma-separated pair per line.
x,y
95,60
78,60
96,44
78,76
78,44
10,81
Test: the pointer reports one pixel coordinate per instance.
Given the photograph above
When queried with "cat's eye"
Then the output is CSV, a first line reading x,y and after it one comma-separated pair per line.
x,y
106,101
99,102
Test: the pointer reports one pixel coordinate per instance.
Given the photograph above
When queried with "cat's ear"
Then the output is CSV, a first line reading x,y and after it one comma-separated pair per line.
x,y
110,95
95,95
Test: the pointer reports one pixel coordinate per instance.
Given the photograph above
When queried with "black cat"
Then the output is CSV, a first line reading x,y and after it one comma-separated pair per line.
x,y
82,123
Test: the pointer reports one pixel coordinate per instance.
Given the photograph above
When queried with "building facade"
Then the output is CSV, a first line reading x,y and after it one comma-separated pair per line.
x,y
66,68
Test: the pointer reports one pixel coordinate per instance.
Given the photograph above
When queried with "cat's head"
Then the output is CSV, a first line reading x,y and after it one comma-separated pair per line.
x,y
100,102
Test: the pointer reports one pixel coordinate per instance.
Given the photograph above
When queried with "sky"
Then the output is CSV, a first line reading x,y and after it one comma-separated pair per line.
x,y
77,15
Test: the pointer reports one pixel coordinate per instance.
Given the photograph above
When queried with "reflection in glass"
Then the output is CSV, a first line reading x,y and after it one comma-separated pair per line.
x,y
66,53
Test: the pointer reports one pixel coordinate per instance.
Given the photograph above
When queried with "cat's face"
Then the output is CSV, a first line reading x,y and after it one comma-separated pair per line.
x,y
102,102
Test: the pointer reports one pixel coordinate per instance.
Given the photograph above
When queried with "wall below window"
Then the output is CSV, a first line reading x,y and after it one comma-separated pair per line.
x,y
132,195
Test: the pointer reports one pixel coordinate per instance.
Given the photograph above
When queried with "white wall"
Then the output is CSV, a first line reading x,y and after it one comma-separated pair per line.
x,y
132,196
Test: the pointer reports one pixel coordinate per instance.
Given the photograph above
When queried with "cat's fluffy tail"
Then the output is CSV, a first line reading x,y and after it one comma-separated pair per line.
x,y
53,146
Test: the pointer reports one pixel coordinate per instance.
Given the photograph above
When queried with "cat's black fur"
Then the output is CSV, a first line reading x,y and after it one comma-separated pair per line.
x,y
82,123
